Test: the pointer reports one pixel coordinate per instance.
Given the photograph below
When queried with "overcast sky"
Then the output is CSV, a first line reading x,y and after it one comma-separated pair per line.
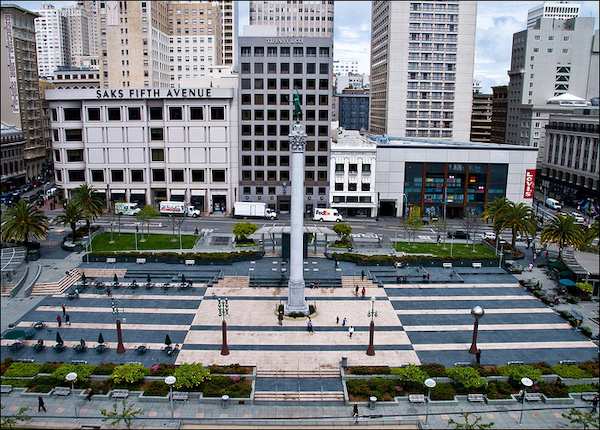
x,y
497,21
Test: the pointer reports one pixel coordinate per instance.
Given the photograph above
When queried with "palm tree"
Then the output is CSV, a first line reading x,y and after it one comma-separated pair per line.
x,y
563,231
71,215
592,233
85,196
494,209
23,221
518,218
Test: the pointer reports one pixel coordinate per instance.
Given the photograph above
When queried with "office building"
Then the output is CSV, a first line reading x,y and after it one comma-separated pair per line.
x,y
422,57
294,19
52,40
417,175
555,58
345,66
499,110
82,28
554,10
353,109
229,32
12,145
272,71
147,145
351,80
20,95
569,168
353,167
481,118
76,78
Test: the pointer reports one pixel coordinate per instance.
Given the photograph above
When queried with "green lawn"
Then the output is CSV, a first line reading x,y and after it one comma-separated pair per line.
x,y
126,242
435,249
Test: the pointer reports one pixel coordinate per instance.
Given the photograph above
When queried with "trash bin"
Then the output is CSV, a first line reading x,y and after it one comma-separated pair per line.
x,y
372,402
225,401
33,255
344,360
78,247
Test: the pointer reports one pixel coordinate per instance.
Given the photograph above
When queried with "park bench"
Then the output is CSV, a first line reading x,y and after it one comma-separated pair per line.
x,y
475,398
78,361
190,262
533,397
515,363
462,364
26,360
416,398
447,265
476,265
140,261
180,395
569,362
61,391
110,260
120,394
586,397
8,388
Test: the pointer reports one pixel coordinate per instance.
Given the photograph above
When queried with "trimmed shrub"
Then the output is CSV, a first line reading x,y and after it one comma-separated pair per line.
x,y
498,390
49,367
410,373
229,369
467,377
591,367
18,369
163,369
104,369
486,370
368,370
571,371
219,385
83,371
102,387
383,388
554,390
5,364
443,391
16,382
516,372
41,384
129,373
544,368
586,331
156,388
584,388
433,369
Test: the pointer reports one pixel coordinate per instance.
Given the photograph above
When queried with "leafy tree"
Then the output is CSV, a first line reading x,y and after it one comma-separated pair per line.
x,y
83,371
495,209
518,218
469,425
470,222
592,233
126,414
130,372
175,221
71,215
467,376
23,221
413,225
517,372
343,230
145,215
410,373
441,228
85,195
190,375
586,419
562,231
11,420
242,230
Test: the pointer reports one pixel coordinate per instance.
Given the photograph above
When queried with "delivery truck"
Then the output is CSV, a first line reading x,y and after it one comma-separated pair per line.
x,y
322,214
122,208
253,210
170,208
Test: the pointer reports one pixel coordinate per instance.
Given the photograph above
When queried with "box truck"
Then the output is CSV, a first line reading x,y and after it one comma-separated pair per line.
x,y
553,203
322,214
126,208
169,208
253,210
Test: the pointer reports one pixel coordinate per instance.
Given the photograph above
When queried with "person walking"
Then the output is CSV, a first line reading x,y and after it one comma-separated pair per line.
x,y
351,331
594,404
478,356
59,320
280,317
309,326
355,413
344,322
89,395
363,292
337,320
362,275
336,263
68,319
64,308
356,291
41,404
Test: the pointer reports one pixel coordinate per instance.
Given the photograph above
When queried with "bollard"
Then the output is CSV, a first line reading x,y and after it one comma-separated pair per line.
x,y
225,401
372,402
344,360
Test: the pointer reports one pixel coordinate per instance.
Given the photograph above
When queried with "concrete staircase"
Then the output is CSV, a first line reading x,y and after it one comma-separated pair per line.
x,y
353,281
299,396
310,373
50,288
233,282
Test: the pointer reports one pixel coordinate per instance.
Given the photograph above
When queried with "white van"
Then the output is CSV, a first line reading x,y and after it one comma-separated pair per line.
x,y
126,208
553,203
322,214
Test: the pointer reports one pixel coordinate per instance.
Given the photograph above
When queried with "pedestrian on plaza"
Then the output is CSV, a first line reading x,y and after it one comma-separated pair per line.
x,y
108,291
64,308
76,293
356,291
344,322
355,413
336,263
351,331
362,275
68,319
547,254
309,326
428,276
81,342
534,256
594,404
280,317
89,395
337,320
478,356
41,404
530,267
59,320
363,291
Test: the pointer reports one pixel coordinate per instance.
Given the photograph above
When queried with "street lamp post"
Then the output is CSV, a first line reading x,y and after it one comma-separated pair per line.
x,y
429,383
501,255
170,380
45,200
372,314
115,311
71,377
527,383
136,232
224,311
477,312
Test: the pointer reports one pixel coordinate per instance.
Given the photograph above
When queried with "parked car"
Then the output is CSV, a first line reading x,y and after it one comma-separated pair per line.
x,y
459,234
489,235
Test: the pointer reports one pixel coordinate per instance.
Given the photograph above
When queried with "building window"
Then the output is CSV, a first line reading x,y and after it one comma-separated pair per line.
x,y
175,113
158,175
114,114
156,112
177,175
197,175
158,154
217,113
97,175
156,134
93,114
135,113
74,155
218,175
196,113
72,114
116,175
73,135
75,175
137,176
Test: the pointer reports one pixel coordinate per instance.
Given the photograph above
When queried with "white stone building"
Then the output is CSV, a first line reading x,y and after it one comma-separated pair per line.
x,y
147,145
554,10
52,40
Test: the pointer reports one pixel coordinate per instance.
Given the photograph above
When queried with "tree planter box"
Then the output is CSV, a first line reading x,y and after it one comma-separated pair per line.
x,y
103,397
232,400
496,378
558,400
160,399
581,381
445,402
98,378
501,401
31,394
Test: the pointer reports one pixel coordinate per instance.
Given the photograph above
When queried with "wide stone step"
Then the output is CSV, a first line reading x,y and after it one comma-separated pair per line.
x,y
315,373
301,396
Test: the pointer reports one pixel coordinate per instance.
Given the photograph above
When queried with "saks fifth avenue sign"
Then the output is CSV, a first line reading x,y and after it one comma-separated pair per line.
x,y
154,93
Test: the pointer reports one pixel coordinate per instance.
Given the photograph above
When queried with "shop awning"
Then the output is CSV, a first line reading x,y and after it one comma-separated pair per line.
x,y
198,192
178,192
567,282
137,191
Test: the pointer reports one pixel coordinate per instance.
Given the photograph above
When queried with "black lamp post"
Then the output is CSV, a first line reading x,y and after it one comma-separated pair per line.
x,y
372,314
224,311
477,312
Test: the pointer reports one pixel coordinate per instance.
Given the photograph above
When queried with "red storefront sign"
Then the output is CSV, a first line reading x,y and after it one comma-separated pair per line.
x,y
529,184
